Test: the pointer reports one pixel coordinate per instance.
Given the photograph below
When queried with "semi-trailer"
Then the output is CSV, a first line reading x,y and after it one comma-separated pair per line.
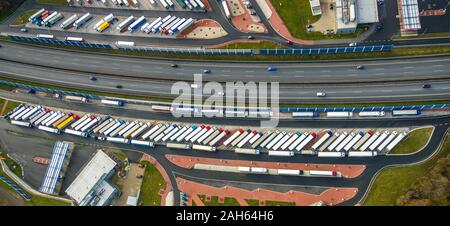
x,y
164,3
151,131
171,133
76,133
369,142
183,27
255,138
339,114
74,39
406,112
140,130
298,141
118,140
45,116
281,141
132,130
362,140
22,113
78,23
329,141
143,143
330,154
102,125
193,3
170,3
200,4
103,26
362,153
169,128
124,43
20,123
206,135
219,138
203,147
269,139
36,114
387,141
46,19
161,108
246,139
174,28
272,142
177,134
51,122
226,9
148,29
40,115
30,113
116,131
76,98
109,125
156,28
352,142
157,132
347,139
53,20
164,24
247,151
113,127
371,114
281,153
49,129
125,23
261,139
136,24
144,26
178,146
128,127
199,134
337,141
306,141
322,140
181,3
232,137
258,170
36,14
310,114
288,172
67,122
193,133
396,141
212,136
240,137
291,140
69,22
323,173
166,28
17,111
84,123
243,169
89,125
53,115
377,142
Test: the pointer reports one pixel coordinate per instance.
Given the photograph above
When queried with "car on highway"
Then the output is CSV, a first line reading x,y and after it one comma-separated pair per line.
x,y
321,94
220,93
93,78
250,37
194,86
206,71
360,67
119,86
0,45
174,65
426,86
24,30
353,44
271,68
289,42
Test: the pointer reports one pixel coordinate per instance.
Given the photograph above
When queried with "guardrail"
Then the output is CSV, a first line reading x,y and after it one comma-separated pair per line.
x,y
59,42
315,51
16,188
38,88
188,51
385,108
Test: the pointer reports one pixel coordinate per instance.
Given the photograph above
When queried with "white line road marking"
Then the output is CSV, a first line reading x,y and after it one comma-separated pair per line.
x,y
379,69
380,73
438,70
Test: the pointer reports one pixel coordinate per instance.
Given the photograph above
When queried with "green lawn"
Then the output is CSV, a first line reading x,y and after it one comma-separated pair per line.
x,y
393,182
151,184
413,142
428,35
12,165
296,15
252,202
11,105
276,203
23,19
228,201
6,9
52,2
1,103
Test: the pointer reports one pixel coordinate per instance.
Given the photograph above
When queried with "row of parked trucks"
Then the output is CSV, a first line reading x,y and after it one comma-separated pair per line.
x,y
349,114
45,17
168,4
207,138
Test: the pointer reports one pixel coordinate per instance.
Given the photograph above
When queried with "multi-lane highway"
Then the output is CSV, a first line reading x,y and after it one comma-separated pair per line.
x,y
298,81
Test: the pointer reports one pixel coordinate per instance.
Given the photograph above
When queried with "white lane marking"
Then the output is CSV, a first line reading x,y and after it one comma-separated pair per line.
x,y
437,65
438,70
379,69
380,73
299,71
410,67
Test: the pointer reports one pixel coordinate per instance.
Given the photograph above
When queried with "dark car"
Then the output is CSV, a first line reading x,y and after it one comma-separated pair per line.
x,y
426,86
31,91
360,67
174,65
379,27
250,37
93,78
288,42
119,86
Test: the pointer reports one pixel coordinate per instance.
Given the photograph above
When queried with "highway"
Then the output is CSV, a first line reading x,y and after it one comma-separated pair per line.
x,y
297,80
373,164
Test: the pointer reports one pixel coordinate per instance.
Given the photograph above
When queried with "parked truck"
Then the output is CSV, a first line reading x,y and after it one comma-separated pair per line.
x,y
247,151
281,153
178,146
203,147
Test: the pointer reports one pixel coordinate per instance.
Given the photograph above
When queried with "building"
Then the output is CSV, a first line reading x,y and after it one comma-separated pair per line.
x,y
315,7
351,13
91,186
409,15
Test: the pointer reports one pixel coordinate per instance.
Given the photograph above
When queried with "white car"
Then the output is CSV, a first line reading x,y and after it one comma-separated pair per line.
x,y
352,44
194,86
321,94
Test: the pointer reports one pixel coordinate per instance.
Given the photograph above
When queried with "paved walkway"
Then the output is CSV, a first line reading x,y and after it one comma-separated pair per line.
x,y
158,166
347,171
331,196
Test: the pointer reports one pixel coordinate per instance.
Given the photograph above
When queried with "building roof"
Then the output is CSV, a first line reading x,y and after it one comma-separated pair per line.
x,y
409,15
94,171
343,15
59,156
367,11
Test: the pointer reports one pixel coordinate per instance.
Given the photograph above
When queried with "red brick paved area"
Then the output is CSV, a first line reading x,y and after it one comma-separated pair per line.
x,y
348,171
241,22
153,161
331,196
279,26
199,23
